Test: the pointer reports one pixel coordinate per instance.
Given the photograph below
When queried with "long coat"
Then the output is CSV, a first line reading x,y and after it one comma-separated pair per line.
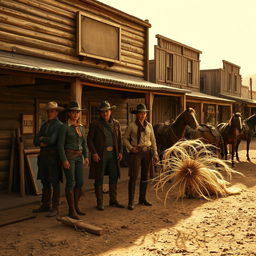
x,y
96,144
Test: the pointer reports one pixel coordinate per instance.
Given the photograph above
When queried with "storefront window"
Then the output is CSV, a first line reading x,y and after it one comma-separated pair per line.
x,y
210,114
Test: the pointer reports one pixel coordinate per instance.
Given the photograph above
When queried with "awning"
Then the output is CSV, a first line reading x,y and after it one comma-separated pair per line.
x,y
25,63
239,99
203,96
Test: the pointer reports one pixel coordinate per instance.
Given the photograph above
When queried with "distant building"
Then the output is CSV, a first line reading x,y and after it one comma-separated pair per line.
x,y
226,82
178,65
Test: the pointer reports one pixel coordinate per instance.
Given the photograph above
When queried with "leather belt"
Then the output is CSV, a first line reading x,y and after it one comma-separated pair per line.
x,y
143,149
109,148
71,154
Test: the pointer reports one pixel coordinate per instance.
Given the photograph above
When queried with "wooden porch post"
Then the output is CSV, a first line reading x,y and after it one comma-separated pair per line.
x,y
202,113
217,114
149,100
183,101
76,91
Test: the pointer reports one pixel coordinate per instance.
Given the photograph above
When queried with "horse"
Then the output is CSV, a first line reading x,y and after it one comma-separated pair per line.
x,y
230,132
209,135
247,134
168,134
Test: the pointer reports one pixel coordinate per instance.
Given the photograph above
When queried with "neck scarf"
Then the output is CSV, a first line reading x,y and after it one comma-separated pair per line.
x,y
141,128
108,124
77,127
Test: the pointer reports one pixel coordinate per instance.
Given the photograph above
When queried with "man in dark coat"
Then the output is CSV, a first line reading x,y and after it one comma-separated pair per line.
x,y
49,170
105,145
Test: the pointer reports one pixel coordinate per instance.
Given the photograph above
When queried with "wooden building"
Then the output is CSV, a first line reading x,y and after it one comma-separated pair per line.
x,y
249,98
178,65
226,82
63,50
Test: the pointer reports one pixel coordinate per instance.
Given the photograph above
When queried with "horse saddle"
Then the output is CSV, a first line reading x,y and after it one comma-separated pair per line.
x,y
208,128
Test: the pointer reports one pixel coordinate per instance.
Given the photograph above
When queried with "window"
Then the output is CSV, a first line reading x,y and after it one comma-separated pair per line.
x,y
190,71
235,83
169,67
229,82
98,38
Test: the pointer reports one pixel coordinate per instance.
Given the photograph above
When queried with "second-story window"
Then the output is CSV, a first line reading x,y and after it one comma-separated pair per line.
x,y
235,83
229,82
190,71
169,67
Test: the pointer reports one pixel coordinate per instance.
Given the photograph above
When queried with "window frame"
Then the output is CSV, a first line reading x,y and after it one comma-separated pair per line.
x,y
190,72
169,68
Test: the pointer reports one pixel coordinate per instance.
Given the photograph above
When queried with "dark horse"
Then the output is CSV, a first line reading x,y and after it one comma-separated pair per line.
x,y
246,134
208,134
230,132
168,134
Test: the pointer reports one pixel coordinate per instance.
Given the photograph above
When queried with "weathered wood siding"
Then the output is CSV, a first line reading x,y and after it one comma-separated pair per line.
x,y
165,108
122,101
231,75
210,81
17,100
47,29
245,92
181,55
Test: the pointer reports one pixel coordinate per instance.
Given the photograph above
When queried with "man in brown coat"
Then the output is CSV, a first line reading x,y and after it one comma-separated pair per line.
x,y
104,142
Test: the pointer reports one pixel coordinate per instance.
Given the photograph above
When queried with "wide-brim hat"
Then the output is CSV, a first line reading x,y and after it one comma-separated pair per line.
x,y
140,108
53,105
74,106
105,105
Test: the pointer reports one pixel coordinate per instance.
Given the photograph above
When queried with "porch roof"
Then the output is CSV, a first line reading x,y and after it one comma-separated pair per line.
x,y
248,101
25,63
204,96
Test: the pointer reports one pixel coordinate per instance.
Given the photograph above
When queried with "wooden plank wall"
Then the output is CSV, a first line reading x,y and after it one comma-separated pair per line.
x,y
47,29
13,102
120,99
228,68
211,81
181,55
165,108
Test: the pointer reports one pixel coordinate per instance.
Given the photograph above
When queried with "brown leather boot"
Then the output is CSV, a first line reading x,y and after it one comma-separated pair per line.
x,y
77,195
113,195
46,201
131,190
55,204
99,197
143,190
70,199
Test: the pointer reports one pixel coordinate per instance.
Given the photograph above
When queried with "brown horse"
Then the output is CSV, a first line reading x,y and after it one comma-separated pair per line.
x,y
230,132
209,135
168,134
247,134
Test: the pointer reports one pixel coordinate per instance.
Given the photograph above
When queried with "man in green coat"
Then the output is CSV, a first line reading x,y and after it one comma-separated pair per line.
x,y
104,143
49,170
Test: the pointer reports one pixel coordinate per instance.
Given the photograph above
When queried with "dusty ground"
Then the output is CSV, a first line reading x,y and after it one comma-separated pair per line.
x,y
225,226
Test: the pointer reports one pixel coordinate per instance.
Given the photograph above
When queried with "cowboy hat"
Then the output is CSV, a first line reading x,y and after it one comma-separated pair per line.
x,y
140,108
105,105
52,105
73,105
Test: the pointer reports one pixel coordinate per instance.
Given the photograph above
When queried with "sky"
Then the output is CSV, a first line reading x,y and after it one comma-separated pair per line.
x,y
221,29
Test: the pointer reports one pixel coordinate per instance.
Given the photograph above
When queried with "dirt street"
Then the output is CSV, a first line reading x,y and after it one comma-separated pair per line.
x,y
225,226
